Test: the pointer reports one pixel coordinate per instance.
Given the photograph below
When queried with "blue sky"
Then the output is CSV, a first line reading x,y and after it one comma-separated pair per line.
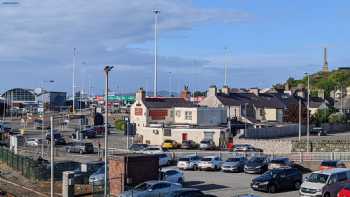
x,y
267,42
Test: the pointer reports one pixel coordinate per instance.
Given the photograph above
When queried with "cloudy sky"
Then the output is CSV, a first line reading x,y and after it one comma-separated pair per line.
x,y
267,41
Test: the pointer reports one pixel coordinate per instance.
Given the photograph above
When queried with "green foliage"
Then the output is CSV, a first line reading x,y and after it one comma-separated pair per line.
x,y
322,115
337,118
119,125
328,82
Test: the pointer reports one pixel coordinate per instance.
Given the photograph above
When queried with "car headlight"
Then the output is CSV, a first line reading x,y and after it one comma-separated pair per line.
x,y
257,167
318,190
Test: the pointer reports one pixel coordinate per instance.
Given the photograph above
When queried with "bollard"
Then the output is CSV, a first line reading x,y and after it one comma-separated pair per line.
x,y
68,184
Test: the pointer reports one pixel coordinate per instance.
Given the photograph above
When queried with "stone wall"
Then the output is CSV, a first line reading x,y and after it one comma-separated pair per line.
x,y
338,144
269,146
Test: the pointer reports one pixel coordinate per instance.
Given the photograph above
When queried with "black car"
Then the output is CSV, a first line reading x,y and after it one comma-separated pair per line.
x,y
189,144
58,137
278,179
187,192
256,165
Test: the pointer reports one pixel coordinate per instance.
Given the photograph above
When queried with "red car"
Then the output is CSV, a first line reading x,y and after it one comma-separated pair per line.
x,y
345,192
329,164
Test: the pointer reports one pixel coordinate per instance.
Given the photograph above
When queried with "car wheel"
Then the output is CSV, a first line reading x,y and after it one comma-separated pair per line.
x,y
297,185
195,167
272,189
327,195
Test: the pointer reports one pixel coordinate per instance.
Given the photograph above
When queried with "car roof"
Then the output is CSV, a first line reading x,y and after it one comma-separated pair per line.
x,y
152,182
333,171
280,159
186,189
213,156
166,170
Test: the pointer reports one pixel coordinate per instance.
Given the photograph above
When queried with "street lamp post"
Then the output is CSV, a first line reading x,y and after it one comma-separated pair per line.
x,y
107,69
308,114
43,119
52,156
156,13
299,120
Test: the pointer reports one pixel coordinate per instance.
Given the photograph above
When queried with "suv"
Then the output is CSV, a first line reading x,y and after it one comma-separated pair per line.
x,y
80,147
189,162
278,179
325,183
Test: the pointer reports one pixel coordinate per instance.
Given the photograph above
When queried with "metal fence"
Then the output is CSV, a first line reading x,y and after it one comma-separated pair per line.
x,y
28,167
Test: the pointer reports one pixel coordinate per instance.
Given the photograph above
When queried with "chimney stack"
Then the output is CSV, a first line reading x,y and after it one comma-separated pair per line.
x,y
212,91
140,94
225,90
185,93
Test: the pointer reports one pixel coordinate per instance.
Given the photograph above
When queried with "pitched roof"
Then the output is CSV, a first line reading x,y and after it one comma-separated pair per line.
x,y
166,102
261,101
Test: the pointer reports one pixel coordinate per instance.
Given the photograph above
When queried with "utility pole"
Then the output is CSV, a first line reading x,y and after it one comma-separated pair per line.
x,y
156,13
52,158
73,86
170,84
299,120
225,82
308,114
107,69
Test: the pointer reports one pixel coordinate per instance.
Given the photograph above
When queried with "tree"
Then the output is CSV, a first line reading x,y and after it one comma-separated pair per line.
x,y
292,112
338,117
321,116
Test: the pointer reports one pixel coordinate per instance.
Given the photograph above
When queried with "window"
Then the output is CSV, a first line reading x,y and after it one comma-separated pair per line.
x,y
341,177
160,186
172,113
188,115
178,113
167,132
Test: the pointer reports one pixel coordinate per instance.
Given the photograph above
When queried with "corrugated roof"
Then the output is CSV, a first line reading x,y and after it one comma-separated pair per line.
x,y
167,102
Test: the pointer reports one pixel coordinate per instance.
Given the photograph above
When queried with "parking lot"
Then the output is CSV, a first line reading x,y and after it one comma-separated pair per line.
x,y
227,184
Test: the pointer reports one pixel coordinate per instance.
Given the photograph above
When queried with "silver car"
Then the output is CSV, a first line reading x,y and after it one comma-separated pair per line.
x,y
234,164
152,188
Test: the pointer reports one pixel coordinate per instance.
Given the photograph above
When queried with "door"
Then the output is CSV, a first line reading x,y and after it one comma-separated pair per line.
x,y
283,180
184,136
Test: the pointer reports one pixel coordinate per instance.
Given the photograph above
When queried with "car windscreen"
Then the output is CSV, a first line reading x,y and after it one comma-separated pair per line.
x,y
256,160
318,178
206,159
279,161
142,187
101,170
205,142
184,159
233,159
329,163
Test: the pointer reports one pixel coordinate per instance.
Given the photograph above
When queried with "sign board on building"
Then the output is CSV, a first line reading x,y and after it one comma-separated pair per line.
x,y
138,111
158,114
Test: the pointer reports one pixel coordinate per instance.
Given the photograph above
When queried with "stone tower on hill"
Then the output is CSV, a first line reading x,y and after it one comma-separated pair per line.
x,y
325,62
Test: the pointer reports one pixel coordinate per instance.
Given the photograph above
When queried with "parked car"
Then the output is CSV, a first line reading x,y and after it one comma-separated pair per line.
x,y
173,176
210,162
345,191
187,192
189,162
245,148
189,144
234,164
170,144
4,128
325,183
207,145
138,147
80,147
33,142
83,172
278,179
58,138
318,131
282,162
329,164
98,177
89,133
256,165
164,159
152,188
154,149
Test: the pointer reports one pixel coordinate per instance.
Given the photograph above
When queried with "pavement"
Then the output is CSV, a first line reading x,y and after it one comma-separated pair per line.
x,y
227,184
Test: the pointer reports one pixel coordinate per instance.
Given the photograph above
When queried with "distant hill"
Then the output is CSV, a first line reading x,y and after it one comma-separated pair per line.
x,y
325,81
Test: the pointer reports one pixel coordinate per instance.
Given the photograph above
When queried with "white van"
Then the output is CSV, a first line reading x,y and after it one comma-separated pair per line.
x,y
325,183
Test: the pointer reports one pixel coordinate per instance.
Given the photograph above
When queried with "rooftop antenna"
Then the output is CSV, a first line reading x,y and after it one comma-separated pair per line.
x,y
226,52
73,85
